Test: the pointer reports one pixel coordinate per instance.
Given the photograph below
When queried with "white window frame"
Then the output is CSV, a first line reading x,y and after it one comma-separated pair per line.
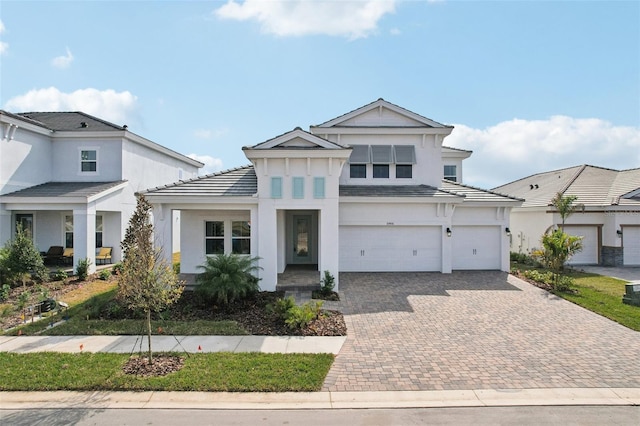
x,y
452,178
80,161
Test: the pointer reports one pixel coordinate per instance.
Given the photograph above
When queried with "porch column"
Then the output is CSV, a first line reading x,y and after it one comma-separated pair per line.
x,y
329,259
267,246
84,237
163,231
5,225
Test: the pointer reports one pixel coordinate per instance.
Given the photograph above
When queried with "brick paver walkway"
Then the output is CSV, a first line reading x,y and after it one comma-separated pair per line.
x,y
474,330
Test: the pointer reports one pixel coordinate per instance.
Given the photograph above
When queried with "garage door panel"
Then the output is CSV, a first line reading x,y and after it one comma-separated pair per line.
x,y
631,245
590,246
476,248
390,249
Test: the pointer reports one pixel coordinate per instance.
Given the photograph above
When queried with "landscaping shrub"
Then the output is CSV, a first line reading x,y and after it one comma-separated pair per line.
x,y
282,306
295,316
176,267
104,275
117,269
559,283
4,292
59,275
327,283
82,269
20,260
227,278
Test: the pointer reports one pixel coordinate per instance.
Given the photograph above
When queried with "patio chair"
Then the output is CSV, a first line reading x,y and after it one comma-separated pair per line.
x,y
53,256
103,256
67,256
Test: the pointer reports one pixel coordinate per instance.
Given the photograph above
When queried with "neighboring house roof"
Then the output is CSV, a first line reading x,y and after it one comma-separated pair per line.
x,y
64,189
338,121
594,186
241,181
70,121
472,193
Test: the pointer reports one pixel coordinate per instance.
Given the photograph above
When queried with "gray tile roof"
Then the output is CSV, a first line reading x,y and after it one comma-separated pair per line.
x,y
70,121
472,193
65,189
594,186
239,182
394,191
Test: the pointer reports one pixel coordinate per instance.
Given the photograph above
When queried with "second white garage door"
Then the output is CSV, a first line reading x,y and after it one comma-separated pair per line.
x,y
631,245
476,248
590,246
390,248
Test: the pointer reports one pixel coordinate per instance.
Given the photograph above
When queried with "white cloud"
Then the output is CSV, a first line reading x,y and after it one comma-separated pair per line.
x,y
518,148
351,19
64,61
211,164
117,107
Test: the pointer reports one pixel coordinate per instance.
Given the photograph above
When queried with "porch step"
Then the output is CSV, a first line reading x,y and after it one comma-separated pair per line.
x,y
299,279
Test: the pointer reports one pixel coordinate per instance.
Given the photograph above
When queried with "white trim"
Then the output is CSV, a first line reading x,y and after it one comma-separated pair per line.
x,y
80,160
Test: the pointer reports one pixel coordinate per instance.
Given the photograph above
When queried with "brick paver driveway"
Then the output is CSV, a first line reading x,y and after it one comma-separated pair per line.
x,y
474,330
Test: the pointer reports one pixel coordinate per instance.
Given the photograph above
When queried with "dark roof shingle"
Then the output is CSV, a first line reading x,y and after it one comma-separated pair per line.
x,y
65,189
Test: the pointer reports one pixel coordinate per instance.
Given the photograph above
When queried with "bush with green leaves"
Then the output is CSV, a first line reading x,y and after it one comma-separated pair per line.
x,y
59,275
282,306
327,283
176,267
104,275
5,289
557,282
227,278
117,268
296,316
82,269
21,260
524,259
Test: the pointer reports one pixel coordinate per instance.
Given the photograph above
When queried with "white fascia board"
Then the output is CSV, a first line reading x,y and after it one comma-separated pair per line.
x,y
202,201
456,154
505,203
52,203
251,153
25,125
382,130
297,133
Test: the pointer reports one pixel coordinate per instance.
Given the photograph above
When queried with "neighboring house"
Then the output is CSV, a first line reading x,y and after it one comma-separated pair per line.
x,y
362,192
609,223
70,179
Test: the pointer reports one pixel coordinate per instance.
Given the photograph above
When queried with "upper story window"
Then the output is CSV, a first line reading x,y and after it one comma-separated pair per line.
x,y
298,187
89,160
405,158
381,157
276,187
450,173
318,187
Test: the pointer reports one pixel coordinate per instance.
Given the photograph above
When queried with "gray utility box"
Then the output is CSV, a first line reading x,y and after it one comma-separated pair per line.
x,y
632,294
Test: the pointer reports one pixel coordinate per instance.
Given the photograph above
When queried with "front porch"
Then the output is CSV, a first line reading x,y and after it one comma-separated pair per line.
x,y
299,278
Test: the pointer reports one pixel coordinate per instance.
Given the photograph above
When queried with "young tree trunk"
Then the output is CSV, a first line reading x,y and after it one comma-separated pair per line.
x,y
149,333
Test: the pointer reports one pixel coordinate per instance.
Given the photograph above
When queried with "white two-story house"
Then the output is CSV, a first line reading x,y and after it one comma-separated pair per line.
x,y
70,179
371,190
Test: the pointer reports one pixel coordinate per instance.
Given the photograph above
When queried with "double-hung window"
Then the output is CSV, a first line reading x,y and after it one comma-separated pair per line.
x,y
88,160
405,158
214,237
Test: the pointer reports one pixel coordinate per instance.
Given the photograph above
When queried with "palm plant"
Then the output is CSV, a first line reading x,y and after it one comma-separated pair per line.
x,y
227,278
565,205
559,247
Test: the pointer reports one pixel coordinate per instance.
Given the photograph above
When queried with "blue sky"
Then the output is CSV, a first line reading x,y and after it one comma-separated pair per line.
x,y
529,86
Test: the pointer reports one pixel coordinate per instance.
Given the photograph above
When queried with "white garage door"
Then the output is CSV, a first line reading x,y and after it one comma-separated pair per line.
x,y
390,248
476,247
631,245
590,247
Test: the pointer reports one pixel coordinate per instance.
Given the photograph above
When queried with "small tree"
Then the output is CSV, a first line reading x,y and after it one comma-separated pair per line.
x,y
558,248
147,282
21,259
565,205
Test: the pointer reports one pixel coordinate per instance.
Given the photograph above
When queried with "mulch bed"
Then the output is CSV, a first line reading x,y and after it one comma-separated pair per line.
x,y
160,365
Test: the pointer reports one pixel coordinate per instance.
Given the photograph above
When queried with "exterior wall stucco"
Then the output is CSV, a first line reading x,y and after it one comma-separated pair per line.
x,y
24,161
66,160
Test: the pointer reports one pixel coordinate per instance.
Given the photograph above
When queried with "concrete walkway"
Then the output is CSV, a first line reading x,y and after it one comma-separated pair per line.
x,y
190,344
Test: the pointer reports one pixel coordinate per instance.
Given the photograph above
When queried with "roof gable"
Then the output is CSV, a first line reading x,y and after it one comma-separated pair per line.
x,y
297,139
381,114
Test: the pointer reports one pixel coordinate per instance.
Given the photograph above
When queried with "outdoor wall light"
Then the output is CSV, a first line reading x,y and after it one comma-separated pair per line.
x,y
619,232
448,232
507,231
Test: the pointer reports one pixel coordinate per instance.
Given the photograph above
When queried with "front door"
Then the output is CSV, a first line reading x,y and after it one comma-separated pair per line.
x,y
302,239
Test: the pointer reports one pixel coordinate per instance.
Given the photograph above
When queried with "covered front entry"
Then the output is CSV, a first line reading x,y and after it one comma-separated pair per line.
x,y
301,242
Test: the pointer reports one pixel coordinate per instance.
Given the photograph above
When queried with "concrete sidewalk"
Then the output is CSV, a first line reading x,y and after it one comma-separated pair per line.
x,y
190,344
321,400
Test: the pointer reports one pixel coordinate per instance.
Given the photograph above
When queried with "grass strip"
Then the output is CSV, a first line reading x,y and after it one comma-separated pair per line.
x,y
208,372
79,327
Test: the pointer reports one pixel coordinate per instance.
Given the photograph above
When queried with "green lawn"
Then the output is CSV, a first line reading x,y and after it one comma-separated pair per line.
x,y
599,294
210,372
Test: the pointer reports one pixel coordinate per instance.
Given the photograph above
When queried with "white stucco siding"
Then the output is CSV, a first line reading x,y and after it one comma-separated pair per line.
x,y
146,168
389,213
24,161
527,228
427,170
66,159
192,235
390,248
